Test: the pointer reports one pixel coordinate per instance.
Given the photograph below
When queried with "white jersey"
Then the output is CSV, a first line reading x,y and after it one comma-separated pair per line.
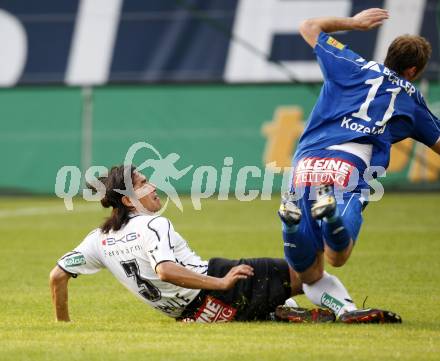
x,y
132,254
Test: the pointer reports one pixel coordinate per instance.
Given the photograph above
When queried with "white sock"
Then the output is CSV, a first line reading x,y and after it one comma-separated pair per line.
x,y
329,292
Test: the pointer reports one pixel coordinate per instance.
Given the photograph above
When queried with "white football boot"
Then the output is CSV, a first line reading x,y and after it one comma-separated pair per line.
x,y
289,212
325,203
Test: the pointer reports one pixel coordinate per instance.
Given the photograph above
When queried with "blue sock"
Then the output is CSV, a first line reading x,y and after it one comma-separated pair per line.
x,y
289,239
289,235
335,233
289,229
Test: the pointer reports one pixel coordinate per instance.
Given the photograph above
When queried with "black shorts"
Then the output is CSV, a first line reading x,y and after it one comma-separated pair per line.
x,y
251,299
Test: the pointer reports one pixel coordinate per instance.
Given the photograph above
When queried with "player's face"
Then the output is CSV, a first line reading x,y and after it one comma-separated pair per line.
x,y
146,192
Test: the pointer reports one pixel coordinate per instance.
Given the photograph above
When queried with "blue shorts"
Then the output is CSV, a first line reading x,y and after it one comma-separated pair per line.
x,y
309,237
309,240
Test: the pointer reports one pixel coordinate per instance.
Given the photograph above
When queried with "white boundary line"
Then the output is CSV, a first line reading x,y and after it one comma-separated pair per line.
x,y
34,211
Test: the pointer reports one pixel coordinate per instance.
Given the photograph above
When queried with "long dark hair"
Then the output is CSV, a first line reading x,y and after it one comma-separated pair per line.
x,y
120,213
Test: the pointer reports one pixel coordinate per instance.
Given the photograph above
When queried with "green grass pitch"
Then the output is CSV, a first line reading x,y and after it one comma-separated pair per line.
x,y
395,263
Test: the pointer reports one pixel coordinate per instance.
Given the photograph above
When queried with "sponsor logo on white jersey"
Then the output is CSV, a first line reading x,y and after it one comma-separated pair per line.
x,y
110,241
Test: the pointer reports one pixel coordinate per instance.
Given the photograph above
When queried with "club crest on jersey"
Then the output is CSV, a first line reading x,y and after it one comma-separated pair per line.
x,y
214,310
336,44
316,171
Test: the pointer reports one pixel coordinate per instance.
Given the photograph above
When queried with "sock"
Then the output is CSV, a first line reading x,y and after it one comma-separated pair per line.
x,y
289,238
329,292
335,233
289,229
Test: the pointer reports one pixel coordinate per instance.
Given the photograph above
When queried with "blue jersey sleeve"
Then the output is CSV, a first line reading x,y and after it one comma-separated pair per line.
x,y
336,60
400,128
426,125
423,126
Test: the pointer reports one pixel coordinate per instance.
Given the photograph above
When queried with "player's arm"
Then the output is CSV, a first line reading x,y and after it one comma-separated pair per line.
x,y
83,260
365,20
58,281
178,275
161,255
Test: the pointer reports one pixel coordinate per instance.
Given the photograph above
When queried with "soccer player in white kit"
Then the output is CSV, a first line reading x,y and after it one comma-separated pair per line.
x,y
146,254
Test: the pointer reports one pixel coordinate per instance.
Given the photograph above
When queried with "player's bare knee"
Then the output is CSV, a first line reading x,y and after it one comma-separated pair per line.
x,y
337,261
313,274
338,258
314,277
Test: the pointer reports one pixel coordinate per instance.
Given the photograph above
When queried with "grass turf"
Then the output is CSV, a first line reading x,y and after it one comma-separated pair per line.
x,y
395,263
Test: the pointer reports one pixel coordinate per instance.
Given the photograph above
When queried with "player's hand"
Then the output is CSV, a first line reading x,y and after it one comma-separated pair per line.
x,y
370,18
236,273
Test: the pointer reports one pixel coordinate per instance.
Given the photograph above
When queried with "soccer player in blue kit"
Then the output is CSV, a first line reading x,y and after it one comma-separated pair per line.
x,y
362,109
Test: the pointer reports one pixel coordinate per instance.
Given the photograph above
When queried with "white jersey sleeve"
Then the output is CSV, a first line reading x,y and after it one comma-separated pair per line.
x,y
84,259
160,247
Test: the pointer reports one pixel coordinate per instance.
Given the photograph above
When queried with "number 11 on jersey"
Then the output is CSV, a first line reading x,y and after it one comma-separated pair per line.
x,y
375,83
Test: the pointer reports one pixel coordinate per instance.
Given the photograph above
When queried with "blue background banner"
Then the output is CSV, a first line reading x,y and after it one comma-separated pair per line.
x,y
186,41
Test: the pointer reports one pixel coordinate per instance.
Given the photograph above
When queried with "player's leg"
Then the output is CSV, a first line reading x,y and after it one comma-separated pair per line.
x,y
256,297
331,293
301,237
350,212
340,223
309,276
303,249
322,288
295,282
291,312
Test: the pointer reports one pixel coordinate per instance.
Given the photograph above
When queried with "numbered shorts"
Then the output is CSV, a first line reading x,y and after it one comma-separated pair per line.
x,y
309,240
250,299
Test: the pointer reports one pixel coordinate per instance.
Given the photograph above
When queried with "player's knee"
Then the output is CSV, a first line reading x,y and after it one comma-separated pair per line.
x,y
337,262
313,274
337,259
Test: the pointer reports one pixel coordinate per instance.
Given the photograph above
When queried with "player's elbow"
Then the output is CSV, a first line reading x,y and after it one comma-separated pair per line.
x,y
309,30
58,276
164,271
163,276
305,26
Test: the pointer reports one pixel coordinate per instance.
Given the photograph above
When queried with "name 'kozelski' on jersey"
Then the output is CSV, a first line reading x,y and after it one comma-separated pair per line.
x,y
365,102
132,254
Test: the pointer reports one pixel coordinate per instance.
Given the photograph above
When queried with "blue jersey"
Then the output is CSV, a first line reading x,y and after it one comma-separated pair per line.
x,y
365,102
